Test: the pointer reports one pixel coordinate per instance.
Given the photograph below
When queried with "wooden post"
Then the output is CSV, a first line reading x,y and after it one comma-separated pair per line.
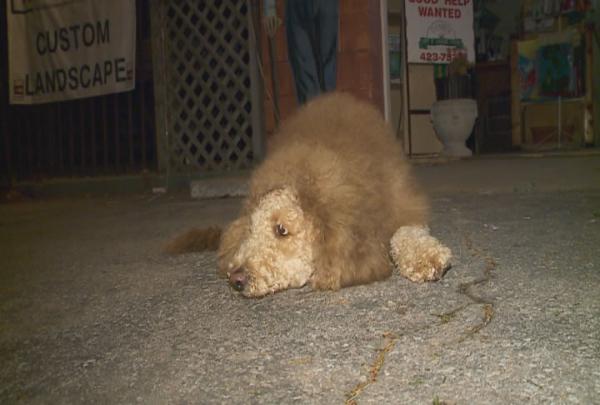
x,y
257,86
588,114
376,52
158,25
517,128
595,85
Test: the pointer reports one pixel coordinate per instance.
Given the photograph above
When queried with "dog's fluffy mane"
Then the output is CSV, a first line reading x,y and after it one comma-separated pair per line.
x,y
350,177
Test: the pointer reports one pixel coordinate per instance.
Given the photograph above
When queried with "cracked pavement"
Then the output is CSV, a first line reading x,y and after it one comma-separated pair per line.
x,y
92,312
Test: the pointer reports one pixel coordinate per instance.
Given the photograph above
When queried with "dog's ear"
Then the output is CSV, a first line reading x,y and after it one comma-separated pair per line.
x,y
329,251
345,256
328,245
231,239
345,253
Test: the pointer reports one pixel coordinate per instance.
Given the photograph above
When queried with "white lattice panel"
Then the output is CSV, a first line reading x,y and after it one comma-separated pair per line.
x,y
208,84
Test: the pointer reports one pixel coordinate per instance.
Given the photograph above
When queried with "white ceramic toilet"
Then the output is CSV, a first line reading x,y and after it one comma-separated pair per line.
x,y
453,121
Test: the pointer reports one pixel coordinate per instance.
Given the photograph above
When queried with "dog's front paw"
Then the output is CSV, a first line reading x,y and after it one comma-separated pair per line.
x,y
419,256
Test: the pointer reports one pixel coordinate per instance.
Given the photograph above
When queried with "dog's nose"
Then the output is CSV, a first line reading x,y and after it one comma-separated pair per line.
x,y
238,279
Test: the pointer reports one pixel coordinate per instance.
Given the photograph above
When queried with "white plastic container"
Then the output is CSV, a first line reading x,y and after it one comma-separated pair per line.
x,y
453,121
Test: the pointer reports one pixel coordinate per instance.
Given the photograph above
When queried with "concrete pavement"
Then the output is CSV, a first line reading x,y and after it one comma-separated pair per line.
x,y
92,312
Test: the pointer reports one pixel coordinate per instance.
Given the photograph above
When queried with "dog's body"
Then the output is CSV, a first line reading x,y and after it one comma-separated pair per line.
x,y
330,204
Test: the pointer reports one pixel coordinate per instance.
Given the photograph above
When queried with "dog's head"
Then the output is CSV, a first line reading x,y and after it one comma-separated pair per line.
x,y
274,248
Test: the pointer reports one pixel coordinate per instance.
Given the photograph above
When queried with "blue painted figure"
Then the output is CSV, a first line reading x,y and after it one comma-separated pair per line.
x,y
312,35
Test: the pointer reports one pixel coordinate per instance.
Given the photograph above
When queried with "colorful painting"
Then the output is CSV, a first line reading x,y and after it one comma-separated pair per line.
x,y
528,69
556,70
549,67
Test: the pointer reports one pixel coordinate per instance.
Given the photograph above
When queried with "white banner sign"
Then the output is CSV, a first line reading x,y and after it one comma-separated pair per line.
x,y
438,31
66,49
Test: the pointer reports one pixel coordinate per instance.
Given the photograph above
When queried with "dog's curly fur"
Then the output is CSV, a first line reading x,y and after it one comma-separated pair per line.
x,y
335,180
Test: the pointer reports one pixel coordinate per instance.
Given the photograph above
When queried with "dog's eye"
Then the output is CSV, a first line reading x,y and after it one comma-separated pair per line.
x,y
281,230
